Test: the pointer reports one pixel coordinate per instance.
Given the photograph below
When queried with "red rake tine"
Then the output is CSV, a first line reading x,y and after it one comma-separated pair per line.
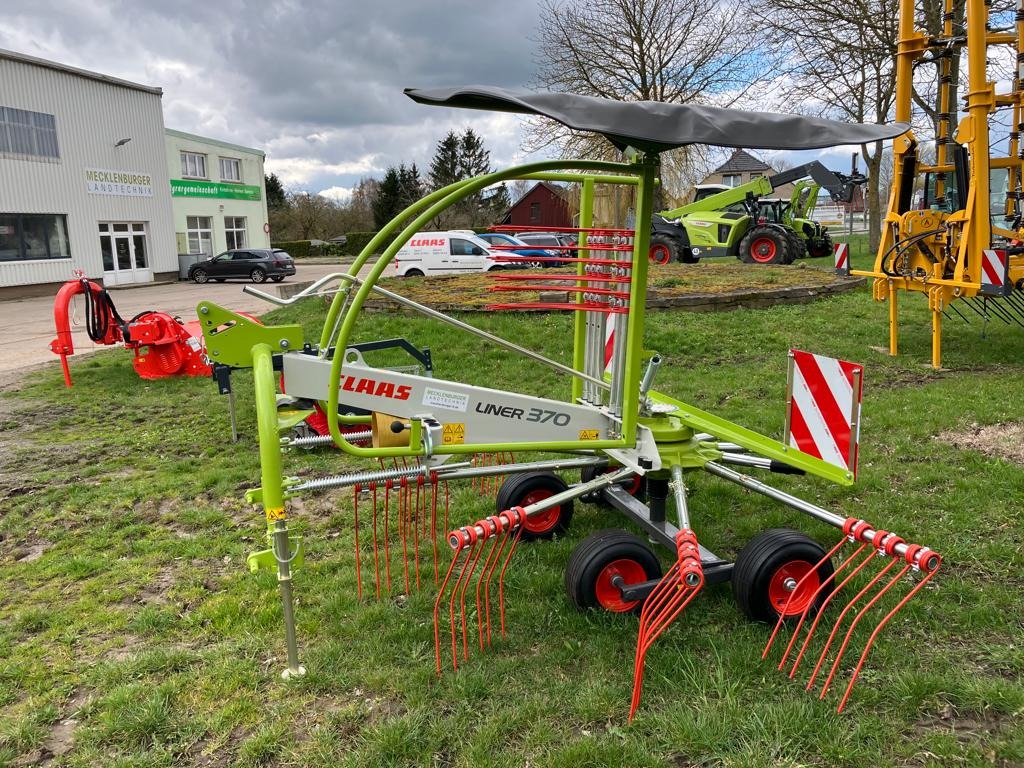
x,y
376,548
466,545
885,620
846,609
882,544
484,578
668,599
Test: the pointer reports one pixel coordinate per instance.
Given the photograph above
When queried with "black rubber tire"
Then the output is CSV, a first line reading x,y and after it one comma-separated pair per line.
x,y
636,489
761,558
515,490
664,249
821,247
771,243
413,273
199,276
258,275
277,278
591,557
797,247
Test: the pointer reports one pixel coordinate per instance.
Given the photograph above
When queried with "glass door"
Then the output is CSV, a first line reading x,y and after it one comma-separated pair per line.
x,y
125,250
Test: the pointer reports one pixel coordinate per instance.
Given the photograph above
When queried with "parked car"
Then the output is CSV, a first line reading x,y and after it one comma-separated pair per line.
x,y
256,264
444,253
552,239
523,249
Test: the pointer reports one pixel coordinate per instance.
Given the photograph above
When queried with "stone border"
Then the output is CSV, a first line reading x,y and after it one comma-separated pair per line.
x,y
694,302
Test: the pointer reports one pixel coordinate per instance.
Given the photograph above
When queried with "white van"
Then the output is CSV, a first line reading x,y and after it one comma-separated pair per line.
x,y
444,253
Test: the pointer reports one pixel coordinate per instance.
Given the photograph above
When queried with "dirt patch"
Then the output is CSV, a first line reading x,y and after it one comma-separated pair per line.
x,y
964,726
1000,441
61,738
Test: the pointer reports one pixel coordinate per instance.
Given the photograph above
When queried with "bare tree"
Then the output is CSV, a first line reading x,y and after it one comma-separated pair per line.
x,y
677,51
842,55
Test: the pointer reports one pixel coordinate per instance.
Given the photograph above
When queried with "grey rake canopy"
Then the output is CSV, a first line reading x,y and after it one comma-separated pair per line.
x,y
654,126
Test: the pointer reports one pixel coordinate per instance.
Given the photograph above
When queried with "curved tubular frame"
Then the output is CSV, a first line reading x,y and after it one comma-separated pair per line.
x,y
424,210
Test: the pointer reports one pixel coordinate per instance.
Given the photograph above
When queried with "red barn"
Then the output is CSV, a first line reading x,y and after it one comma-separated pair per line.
x,y
543,206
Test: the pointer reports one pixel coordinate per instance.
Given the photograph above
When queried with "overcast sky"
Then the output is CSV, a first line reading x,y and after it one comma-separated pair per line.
x,y
316,84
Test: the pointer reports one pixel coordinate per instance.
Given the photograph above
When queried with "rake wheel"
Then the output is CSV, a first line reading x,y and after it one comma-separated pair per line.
x,y
598,559
768,569
527,488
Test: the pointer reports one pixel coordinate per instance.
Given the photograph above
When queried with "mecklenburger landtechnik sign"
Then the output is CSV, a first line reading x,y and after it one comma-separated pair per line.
x,y
183,188
122,183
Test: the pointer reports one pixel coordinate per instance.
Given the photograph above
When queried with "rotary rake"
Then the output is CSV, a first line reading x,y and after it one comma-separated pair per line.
x,y
633,446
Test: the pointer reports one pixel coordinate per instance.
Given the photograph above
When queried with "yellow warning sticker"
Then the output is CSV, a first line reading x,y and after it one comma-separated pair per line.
x,y
275,513
453,434
588,434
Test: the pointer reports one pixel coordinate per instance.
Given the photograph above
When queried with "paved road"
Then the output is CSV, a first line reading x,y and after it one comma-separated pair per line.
x,y
26,326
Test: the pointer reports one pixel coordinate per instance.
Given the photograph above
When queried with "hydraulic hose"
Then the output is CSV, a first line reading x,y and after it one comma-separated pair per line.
x,y
99,311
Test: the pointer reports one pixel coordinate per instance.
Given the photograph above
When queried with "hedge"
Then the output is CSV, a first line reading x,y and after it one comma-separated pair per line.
x,y
297,249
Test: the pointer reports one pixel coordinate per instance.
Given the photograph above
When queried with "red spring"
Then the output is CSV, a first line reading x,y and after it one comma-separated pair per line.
x,y
669,599
403,523
469,544
870,547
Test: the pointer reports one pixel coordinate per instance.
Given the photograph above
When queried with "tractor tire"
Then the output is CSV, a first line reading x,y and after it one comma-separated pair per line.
x,y
664,249
764,245
797,247
820,246
634,486
768,569
598,559
528,488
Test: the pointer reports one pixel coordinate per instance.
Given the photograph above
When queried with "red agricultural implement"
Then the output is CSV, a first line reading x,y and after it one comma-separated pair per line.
x,y
631,445
163,345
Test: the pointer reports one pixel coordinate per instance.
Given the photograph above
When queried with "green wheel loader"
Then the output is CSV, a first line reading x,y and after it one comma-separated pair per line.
x,y
743,222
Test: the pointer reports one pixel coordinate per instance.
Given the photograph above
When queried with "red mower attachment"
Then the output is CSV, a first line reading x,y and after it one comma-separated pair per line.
x,y
872,547
163,345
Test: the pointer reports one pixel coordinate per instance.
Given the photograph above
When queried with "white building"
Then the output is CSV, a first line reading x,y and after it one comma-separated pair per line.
x,y
217,193
83,179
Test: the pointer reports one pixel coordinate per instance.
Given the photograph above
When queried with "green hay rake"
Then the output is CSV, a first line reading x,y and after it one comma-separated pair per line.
x,y
631,444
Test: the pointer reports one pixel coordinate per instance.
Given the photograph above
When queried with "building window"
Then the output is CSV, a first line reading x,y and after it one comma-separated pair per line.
x,y
732,179
193,165
200,234
230,169
234,230
756,176
25,134
123,246
534,213
31,236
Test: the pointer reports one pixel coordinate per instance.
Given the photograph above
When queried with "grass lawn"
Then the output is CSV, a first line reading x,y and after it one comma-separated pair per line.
x,y
132,634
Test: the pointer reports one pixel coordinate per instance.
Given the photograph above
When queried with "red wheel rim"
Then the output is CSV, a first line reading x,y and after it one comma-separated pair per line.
x,y
608,595
659,254
763,250
785,580
542,522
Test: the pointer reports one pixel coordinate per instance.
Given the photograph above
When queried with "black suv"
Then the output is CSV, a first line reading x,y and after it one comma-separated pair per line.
x,y
256,264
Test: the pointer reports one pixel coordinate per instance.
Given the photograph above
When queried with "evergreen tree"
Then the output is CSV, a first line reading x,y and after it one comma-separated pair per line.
x,y
276,198
444,167
499,202
411,184
388,201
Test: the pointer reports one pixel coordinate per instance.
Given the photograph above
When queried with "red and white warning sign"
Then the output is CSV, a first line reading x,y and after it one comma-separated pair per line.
x,y
823,408
994,273
842,254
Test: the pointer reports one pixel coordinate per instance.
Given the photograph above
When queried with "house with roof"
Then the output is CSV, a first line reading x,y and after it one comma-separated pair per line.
x,y
741,168
544,205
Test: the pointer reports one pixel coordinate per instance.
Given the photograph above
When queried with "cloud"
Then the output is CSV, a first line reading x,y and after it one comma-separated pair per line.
x,y
316,84
337,194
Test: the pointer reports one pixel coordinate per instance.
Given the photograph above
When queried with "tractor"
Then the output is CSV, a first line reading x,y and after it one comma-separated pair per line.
x,y
742,222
